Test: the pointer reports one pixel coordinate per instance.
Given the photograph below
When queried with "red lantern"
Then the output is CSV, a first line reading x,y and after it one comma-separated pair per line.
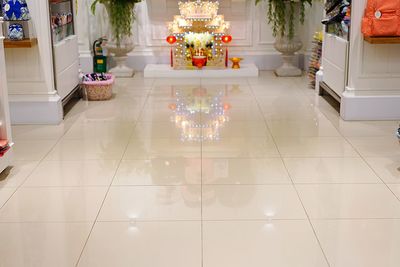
x,y
171,39
227,106
172,106
226,39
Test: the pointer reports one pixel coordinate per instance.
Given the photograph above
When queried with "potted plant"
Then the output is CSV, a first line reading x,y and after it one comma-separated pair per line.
x,y
121,17
284,16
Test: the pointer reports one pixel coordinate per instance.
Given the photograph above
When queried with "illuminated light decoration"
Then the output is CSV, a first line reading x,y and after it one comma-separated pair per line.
x,y
188,108
198,30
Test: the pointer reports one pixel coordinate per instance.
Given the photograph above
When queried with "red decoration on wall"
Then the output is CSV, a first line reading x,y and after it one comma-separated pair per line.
x,y
171,39
226,39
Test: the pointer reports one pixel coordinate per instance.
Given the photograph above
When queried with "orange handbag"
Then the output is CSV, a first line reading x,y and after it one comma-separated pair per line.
x,y
381,18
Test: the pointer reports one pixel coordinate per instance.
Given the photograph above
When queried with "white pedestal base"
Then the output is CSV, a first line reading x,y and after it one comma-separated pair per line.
x,y
121,70
165,71
288,69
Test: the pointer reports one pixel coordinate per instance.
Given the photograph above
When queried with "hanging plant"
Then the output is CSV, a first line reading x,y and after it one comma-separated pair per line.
x,y
281,15
121,15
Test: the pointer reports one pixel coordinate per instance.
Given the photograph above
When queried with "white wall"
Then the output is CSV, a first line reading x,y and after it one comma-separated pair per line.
x,y
252,35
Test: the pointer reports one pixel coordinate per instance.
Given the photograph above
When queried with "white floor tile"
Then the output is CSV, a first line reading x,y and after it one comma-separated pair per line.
x,y
39,132
33,149
306,128
314,147
162,148
5,194
260,244
383,146
73,173
240,148
17,173
88,149
100,130
367,128
53,204
349,201
244,171
387,168
251,202
42,244
152,203
366,243
144,244
159,171
330,170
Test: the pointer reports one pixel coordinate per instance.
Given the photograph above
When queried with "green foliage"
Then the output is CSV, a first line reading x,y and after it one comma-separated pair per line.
x,y
121,14
281,15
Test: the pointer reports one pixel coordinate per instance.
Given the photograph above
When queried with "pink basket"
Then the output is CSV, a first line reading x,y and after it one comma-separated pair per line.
x,y
99,90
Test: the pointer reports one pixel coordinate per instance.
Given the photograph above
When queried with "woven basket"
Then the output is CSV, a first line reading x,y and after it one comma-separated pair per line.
x,y
99,90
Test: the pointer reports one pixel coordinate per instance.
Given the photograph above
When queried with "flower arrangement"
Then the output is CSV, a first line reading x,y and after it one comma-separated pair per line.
x,y
281,14
199,41
121,14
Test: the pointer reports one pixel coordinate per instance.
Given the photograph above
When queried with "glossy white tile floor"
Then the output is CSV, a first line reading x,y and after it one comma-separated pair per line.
x,y
203,173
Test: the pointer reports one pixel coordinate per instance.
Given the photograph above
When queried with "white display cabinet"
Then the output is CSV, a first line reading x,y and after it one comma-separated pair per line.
x,y
5,127
362,73
43,76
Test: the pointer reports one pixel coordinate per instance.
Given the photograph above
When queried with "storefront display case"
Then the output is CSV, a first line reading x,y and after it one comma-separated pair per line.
x,y
65,46
336,47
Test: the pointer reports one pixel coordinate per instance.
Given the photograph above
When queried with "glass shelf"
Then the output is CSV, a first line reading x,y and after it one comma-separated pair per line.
x,y
61,19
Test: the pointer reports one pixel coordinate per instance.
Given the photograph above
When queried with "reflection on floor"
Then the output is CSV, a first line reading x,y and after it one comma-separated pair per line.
x,y
203,172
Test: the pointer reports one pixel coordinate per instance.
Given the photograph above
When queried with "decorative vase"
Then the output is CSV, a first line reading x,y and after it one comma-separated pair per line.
x,y
15,32
236,62
15,10
288,47
119,51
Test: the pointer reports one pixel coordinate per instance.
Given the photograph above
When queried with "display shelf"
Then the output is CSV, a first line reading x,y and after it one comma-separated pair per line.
x,y
382,40
25,43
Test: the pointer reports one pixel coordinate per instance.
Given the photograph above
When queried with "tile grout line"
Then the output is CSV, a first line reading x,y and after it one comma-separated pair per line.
x,y
294,186
359,154
112,180
39,162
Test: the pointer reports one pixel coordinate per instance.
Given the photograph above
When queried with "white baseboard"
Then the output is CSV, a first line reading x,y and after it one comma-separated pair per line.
x,y
139,62
165,71
35,109
371,107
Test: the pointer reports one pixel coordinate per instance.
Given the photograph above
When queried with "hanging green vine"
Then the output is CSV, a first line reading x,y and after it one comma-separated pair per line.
x,y
281,15
121,15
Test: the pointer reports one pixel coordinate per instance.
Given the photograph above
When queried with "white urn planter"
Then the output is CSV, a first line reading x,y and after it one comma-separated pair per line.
x,y
288,47
119,51
120,55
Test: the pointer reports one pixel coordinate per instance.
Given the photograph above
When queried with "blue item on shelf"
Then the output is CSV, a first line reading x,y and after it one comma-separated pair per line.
x,y
15,10
15,31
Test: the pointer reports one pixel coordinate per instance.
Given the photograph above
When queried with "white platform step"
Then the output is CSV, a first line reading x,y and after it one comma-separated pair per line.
x,y
165,71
